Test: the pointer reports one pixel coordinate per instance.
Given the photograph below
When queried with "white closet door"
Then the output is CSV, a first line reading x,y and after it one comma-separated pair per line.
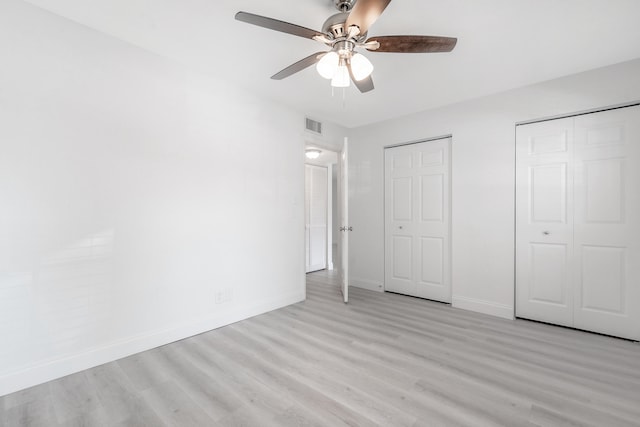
x,y
544,221
417,212
578,222
607,222
316,213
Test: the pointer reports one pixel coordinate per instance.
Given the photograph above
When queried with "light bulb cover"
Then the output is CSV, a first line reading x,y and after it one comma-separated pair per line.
x,y
341,78
361,67
328,65
312,153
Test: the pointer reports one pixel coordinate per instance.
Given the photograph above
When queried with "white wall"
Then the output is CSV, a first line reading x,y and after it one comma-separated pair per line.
x,y
332,137
482,178
139,203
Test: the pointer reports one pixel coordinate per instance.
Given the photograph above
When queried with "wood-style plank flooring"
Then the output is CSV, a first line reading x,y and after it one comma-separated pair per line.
x,y
383,359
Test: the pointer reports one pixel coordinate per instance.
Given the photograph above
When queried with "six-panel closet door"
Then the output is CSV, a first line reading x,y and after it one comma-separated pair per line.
x,y
578,222
417,220
544,222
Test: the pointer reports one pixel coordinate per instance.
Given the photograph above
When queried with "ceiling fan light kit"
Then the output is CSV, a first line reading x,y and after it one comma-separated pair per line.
x,y
341,77
345,32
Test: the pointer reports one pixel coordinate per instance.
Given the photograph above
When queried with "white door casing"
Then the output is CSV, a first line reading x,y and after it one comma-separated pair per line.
x,y
585,272
316,214
417,220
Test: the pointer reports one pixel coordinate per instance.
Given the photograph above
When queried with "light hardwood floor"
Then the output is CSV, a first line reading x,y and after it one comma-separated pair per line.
x,y
383,359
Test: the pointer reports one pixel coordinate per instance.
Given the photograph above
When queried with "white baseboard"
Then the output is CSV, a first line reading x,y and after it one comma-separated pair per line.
x,y
57,368
485,307
371,285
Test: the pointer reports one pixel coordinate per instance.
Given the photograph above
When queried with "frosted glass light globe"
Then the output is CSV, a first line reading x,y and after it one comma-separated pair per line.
x,y
361,67
328,65
341,78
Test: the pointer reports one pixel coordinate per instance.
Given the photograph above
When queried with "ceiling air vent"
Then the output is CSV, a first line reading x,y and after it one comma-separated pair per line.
x,y
313,126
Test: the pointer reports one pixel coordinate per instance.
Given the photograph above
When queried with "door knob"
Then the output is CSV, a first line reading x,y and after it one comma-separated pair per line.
x,y
546,233
400,227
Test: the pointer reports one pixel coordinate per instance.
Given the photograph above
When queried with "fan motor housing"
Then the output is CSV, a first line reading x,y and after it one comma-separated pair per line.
x,y
334,26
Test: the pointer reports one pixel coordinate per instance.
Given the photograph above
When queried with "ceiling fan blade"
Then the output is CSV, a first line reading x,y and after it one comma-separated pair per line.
x,y
364,85
414,44
299,66
365,13
274,24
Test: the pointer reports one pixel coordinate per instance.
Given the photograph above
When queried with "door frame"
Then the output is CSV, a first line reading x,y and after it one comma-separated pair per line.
x,y
384,198
515,165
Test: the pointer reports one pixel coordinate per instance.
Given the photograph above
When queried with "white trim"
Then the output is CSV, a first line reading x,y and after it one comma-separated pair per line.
x,y
482,306
372,285
579,113
57,368
417,141
329,242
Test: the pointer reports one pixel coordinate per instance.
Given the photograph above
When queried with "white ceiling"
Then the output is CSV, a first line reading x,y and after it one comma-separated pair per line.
x,y
502,44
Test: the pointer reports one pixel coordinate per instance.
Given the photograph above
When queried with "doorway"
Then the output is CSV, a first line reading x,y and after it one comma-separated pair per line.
x,y
320,210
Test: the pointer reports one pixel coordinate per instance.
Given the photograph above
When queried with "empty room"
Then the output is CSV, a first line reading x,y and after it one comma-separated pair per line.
x,y
320,213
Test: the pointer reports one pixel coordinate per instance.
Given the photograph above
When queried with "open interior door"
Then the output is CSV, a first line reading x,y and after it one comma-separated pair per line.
x,y
344,222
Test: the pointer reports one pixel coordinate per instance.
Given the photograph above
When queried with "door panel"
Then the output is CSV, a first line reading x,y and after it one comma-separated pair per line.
x,y
544,212
548,184
602,281
432,197
402,253
604,190
417,220
433,157
343,196
403,161
317,248
607,222
549,274
549,140
431,251
403,199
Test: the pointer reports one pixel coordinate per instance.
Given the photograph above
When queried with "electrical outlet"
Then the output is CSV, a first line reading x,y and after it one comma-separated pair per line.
x,y
218,297
223,295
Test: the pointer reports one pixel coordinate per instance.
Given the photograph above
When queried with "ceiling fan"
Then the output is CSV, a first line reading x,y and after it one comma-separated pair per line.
x,y
345,32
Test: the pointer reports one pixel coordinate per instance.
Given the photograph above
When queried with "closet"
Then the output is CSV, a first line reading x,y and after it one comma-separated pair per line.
x,y
578,222
417,219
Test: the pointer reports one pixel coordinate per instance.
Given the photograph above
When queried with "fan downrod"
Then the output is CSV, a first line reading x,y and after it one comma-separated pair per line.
x,y
344,5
